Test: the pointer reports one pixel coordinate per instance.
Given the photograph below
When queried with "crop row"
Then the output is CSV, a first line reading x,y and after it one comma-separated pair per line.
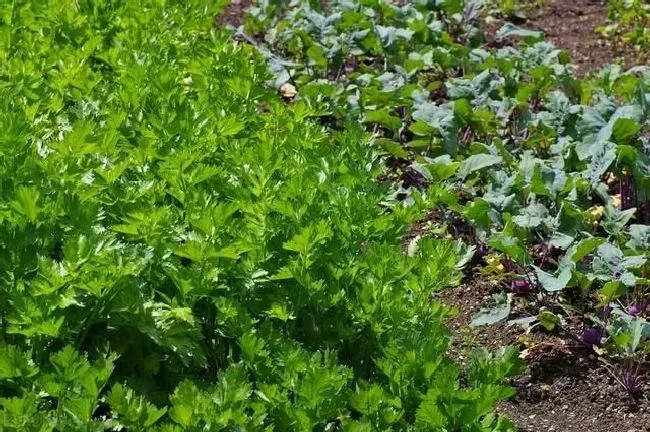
x,y
180,250
548,175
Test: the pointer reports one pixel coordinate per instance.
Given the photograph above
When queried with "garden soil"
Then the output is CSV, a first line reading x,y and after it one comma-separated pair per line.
x,y
234,13
566,387
573,26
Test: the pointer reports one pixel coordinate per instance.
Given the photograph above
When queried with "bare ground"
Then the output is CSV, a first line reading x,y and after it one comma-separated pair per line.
x,y
234,13
572,25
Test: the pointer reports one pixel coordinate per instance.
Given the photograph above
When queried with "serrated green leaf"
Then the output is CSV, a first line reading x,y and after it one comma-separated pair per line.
x,y
393,148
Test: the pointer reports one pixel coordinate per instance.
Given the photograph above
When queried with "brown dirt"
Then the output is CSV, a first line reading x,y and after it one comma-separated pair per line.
x,y
568,392
468,299
566,387
233,14
571,25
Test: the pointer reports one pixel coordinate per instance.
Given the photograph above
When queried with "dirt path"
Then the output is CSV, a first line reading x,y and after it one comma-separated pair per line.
x,y
572,25
234,13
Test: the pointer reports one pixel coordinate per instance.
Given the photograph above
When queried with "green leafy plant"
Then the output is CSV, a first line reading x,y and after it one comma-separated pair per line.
x,y
182,250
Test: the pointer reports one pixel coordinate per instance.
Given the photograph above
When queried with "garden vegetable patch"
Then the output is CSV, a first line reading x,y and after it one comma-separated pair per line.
x,y
552,172
180,250
205,229
548,175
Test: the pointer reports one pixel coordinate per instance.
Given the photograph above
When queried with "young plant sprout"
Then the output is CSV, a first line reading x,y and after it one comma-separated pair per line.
x,y
521,286
636,309
593,336
630,376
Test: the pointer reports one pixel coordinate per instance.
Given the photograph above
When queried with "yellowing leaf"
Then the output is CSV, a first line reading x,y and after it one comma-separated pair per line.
x,y
596,212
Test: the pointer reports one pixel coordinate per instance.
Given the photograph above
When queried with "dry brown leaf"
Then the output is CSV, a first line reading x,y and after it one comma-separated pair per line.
x,y
288,91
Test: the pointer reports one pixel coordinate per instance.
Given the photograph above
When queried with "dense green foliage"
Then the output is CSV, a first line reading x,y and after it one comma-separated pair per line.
x,y
552,173
181,251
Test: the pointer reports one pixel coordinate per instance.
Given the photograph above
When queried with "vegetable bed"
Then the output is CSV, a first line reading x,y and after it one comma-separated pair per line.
x,y
268,227
498,136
